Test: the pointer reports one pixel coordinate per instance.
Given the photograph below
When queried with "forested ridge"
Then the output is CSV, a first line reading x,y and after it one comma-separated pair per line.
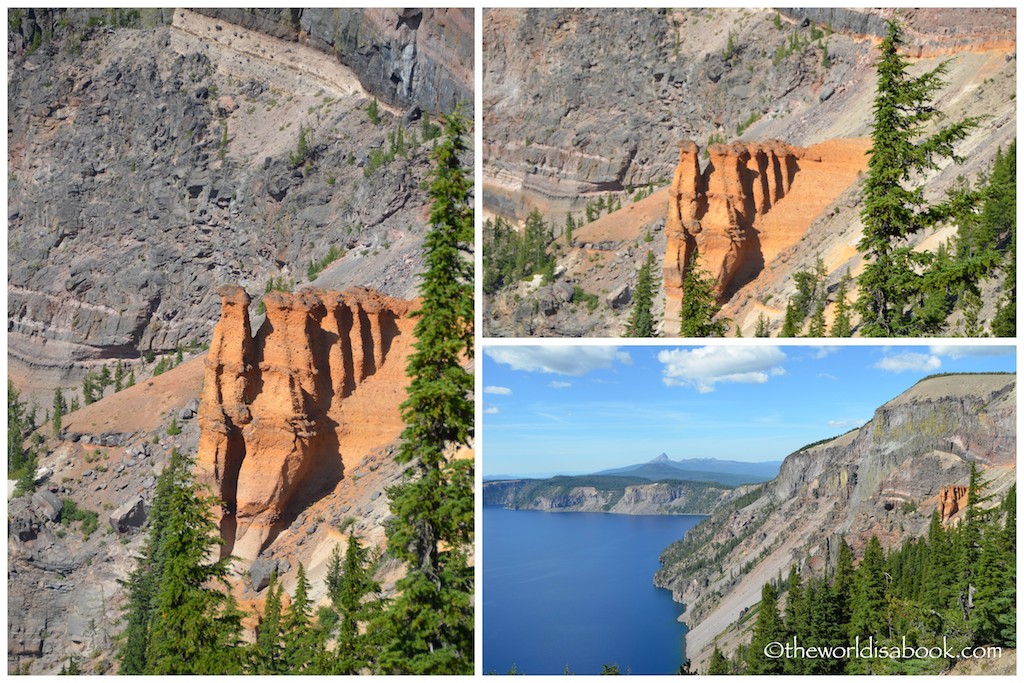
x,y
950,591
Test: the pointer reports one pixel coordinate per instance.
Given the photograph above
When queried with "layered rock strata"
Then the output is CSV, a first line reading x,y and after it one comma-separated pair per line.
x,y
408,57
276,429
917,449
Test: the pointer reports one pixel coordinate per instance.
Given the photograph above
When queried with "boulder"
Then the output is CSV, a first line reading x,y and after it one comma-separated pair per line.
x,y
260,573
47,505
131,515
619,297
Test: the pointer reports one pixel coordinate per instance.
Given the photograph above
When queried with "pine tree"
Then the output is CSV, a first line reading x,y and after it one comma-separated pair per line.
x,y
354,651
761,330
142,582
817,326
118,376
700,305
868,603
841,326
641,321
792,323
428,628
893,211
718,665
300,641
90,389
266,656
993,619
769,628
59,408
569,227
192,621
795,618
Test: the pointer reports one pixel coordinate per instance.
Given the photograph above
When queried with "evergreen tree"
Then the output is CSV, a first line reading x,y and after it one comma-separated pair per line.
x,y
267,654
842,581
355,650
769,628
841,326
299,638
939,579
59,408
118,376
569,227
142,582
868,604
817,326
131,378
993,619
332,580
428,628
761,330
795,618
718,665
192,620
824,627
700,305
793,322
641,321
91,392
893,211
969,540
17,427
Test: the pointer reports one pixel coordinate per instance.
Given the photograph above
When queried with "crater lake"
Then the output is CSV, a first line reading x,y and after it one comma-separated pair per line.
x,y
576,589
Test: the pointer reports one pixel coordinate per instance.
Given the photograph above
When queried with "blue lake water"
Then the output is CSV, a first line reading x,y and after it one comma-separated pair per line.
x,y
576,589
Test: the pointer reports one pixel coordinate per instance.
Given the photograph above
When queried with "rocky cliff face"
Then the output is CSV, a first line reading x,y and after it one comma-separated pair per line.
x,y
884,479
659,498
580,102
276,430
582,105
151,163
409,58
932,32
723,212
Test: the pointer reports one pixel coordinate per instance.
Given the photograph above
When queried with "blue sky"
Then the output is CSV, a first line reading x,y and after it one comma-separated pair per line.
x,y
577,409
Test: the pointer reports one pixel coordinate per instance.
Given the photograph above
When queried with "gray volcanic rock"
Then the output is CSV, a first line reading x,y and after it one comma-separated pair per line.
x,y
568,494
408,57
136,187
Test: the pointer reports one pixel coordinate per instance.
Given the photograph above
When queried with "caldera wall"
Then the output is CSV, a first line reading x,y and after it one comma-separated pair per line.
x,y
284,413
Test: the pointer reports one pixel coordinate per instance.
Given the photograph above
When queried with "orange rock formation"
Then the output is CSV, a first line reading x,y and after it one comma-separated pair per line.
x,y
281,412
952,499
753,200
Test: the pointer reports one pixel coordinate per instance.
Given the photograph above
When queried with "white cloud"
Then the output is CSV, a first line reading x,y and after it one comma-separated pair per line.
x,y
909,361
501,391
825,351
491,410
825,375
559,360
845,423
560,385
958,352
704,367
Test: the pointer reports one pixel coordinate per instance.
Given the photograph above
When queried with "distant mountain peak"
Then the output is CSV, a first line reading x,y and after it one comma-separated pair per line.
x,y
662,458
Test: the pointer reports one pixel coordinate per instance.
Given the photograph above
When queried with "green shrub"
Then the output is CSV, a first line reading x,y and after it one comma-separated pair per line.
x,y
73,513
